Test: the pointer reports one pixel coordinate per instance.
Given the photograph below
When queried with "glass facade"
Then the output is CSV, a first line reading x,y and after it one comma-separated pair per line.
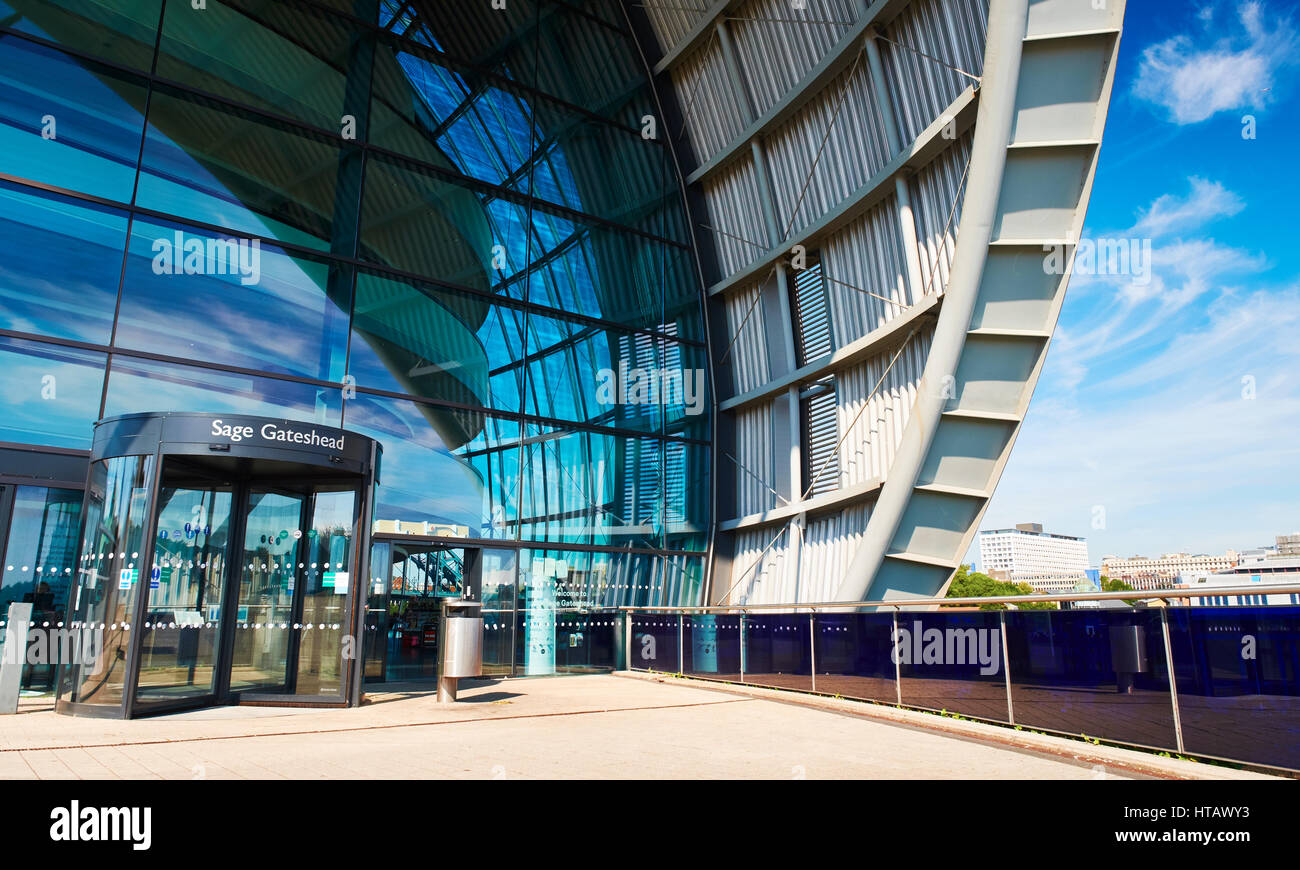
x,y
442,234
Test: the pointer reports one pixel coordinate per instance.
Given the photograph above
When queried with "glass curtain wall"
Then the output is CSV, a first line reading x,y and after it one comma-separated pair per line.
x,y
453,228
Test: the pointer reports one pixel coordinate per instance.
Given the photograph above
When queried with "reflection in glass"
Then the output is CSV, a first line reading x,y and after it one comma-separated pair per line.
x,y
182,627
52,394
85,240
97,125
138,385
267,568
40,556
194,295
103,600
326,579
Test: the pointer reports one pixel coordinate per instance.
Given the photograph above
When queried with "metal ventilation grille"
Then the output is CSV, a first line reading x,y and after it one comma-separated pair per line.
x,y
812,319
820,435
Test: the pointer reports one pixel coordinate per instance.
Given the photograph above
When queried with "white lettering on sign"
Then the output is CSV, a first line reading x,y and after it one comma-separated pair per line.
x,y
271,432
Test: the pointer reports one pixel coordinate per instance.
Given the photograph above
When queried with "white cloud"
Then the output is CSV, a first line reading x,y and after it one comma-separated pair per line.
x,y
1193,82
1206,201
1143,407
1185,462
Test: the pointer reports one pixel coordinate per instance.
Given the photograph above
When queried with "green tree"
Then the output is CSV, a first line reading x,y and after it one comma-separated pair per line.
x,y
974,584
1109,585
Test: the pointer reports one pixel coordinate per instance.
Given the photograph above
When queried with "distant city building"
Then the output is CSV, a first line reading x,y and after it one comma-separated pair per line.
x,y
1264,566
1026,554
1145,573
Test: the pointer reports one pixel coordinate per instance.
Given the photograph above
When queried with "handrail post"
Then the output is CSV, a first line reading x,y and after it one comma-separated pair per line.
x,y
812,647
681,643
627,638
1006,666
741,639
1173,681
893,654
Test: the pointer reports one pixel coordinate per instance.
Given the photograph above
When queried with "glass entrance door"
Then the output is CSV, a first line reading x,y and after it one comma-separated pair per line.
x,y
292,615
268,571
183,619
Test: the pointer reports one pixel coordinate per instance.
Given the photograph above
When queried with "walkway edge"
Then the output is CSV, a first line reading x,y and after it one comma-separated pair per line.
x,y
1128,760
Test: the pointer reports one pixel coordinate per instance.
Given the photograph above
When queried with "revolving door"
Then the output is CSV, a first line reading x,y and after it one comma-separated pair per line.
x,y
217,567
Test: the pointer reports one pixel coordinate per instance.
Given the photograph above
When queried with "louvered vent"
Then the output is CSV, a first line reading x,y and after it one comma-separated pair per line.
x,y
812,320
820,434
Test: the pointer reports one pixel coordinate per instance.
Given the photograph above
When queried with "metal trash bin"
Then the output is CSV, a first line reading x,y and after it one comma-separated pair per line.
x,y
460,645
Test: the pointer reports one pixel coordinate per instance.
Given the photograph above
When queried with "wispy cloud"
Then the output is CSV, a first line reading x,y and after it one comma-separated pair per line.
x,y
1195,77
1160,402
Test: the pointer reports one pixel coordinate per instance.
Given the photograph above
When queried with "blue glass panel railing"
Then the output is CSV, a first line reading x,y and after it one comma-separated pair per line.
x,y
1238,675
584,641
711,646
953,662
654,642
1096,672
778,651
853,656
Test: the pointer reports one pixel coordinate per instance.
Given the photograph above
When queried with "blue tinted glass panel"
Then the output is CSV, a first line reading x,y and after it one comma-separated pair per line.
x,y
51,394
428,226
953,662
207,297
139,386
122,31
68,123
778,650
62,263
854,656
445,471
436,343
591,488
1100,673
1238,673
215,165
711,646
284,57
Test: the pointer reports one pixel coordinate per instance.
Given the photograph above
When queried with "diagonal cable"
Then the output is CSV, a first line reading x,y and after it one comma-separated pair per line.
x,y
844,92
690,103
937,60
865,404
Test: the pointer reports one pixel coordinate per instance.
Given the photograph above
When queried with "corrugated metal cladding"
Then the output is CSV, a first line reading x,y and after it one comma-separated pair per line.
x,y
872,441
936,208
854,151
920,88
756,475
865,258
748,357
811,169
736,213
672,20
829,542
711,107
774,52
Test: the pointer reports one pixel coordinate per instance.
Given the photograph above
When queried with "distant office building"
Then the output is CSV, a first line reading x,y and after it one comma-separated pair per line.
x,y
1263,567
1145,573
1026,554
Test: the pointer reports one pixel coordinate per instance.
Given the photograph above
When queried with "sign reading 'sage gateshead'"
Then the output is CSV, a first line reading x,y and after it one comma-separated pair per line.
x,y
279,434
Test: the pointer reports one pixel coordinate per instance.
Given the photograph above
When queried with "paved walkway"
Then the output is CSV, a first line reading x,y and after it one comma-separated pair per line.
x,y
600,726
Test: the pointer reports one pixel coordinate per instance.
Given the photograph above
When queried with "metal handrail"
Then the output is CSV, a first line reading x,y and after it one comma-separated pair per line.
x,y
900,603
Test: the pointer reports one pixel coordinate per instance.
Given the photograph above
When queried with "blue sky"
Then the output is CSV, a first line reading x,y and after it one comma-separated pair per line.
x,y
1143,434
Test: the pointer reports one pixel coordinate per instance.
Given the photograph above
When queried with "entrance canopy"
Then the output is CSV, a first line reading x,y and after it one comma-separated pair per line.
x,y
216,565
